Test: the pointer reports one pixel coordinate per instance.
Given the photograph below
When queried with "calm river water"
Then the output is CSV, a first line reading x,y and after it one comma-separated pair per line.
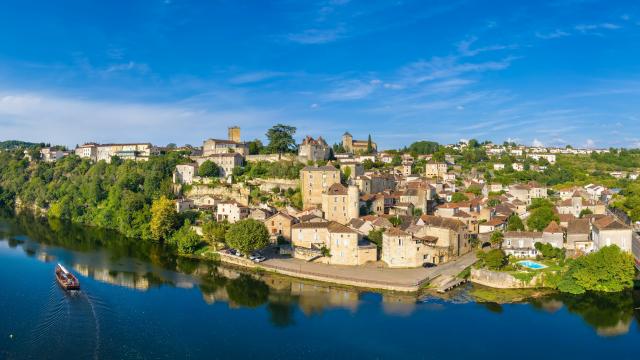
x,y
139,302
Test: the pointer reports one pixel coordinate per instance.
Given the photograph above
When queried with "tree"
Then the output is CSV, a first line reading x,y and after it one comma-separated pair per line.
x,y
584,212
186,239
255,147
369,145
208,169
396,160
214,232
541,217
281,139
375,236
395,221
496,238
495,259
607,270
346,174
548,251
423,147
247,236
458,197
514,223
164,218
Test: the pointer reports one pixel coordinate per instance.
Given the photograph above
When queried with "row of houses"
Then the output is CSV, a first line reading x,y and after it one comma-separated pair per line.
x,y
580,236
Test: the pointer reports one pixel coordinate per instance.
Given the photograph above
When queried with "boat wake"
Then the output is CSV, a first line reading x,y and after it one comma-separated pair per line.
x,y
70,321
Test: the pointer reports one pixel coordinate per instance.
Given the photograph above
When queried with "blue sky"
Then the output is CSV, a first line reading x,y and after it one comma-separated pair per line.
x,y
552,73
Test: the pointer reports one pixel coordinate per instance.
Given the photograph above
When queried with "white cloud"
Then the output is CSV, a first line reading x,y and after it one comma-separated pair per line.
x,y
352,90
552,35
537,143
254,77
589,28
70,120
316,36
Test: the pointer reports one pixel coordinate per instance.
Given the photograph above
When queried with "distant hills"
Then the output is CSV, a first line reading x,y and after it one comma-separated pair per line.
x,y
12,144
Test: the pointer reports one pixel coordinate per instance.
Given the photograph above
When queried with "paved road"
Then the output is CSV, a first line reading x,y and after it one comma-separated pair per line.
x,y
373,273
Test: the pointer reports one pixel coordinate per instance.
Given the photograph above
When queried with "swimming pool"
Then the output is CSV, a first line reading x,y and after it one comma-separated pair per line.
x,y
532,264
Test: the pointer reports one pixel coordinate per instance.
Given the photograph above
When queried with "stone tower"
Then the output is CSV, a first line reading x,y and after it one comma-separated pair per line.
x,y
234,133
347,142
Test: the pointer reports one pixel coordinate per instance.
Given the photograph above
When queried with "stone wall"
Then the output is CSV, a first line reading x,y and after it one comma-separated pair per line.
x,y
501,280
270,184
271,157
237,192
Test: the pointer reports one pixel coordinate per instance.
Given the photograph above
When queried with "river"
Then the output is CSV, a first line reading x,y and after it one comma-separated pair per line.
x,y
138,301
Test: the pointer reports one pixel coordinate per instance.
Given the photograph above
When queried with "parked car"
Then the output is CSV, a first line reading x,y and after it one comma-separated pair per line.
x,y
429,265
259,259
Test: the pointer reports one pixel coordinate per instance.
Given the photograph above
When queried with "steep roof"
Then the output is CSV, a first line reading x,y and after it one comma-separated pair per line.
x,y
396,232
553,228
337,189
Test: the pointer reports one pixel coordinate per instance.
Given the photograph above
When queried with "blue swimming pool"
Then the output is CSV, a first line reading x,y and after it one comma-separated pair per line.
x,y
531,264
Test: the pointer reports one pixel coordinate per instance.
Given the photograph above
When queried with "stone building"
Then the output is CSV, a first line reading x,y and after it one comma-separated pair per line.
x,y
313,149
579,235
331,243
402,249
280,225
357,146
316,180
341,203
436,170
608,230
184,173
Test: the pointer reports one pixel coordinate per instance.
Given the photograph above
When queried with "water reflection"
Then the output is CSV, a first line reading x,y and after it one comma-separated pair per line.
x,y
110,258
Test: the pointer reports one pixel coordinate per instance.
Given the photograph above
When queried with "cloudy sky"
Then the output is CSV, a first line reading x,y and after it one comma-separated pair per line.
x,y
552,73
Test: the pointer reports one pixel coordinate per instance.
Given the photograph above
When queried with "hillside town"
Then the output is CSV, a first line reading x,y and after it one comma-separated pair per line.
x,y
350,205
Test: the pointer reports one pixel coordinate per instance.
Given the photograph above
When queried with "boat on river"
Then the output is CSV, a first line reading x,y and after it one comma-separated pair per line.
x,y
66,279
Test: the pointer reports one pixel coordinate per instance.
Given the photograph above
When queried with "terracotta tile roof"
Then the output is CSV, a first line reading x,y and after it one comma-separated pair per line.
x,y
566,217
281,214
553,228
396,232
337,189
438,221
320,168
579,226
609,223
522,234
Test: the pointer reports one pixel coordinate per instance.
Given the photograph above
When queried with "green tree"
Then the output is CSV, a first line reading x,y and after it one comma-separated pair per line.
x,y
164,218
255,147
208,169
584,212
607,270
247,236
458,197
496,238
214,232
495,259
423,147
346,174
541,217
369,145
281,139
514,223
185,239
395,221
375,236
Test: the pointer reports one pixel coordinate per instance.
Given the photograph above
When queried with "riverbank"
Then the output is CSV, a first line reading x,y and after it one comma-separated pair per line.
x,y
370,276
